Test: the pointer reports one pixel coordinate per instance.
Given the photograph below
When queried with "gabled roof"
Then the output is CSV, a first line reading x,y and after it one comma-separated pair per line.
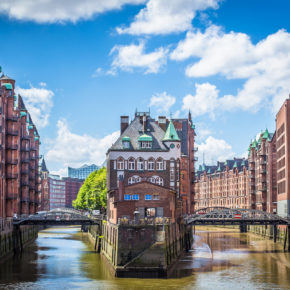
x,y
135,130
170,134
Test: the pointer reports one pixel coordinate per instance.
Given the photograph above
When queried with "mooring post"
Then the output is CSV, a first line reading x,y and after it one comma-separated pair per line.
x,y
275,233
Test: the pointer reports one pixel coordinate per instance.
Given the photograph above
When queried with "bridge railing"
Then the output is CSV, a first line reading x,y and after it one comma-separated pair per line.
x,y
6,224
145,221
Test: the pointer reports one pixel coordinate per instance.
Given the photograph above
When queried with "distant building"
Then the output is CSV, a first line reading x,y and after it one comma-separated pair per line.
x,y
19,144
72,187
56,191
82,172
44,204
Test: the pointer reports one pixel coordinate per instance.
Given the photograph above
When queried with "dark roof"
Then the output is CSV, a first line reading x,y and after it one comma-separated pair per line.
x,y
43,166
135,130
238,163
5,77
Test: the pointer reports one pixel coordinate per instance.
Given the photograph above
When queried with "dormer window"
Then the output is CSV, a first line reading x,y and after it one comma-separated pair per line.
x,y
145,141
126,142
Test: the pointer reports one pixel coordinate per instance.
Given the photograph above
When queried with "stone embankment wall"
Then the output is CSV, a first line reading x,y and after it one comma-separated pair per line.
x,y
144,251
12,240
283,233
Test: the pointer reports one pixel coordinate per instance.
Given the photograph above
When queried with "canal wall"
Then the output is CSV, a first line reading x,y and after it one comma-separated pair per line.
x,y
13,240
141,251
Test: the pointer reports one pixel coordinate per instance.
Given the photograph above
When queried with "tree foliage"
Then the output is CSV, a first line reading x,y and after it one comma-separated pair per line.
x,y
93,193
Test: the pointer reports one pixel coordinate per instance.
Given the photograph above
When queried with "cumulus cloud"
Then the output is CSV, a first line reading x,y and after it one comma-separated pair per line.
x,y
50,11
38,102
163,102
214,150
264,66
167,16
204,101
71,149
133,56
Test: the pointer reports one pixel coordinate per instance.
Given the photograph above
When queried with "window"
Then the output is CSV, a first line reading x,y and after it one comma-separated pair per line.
x,y
171,174
134,179
127,197
120,164
151,179
146,144
148,197
126,144
135,197
151,164
140,164
156,196
131,164
159,180
159,164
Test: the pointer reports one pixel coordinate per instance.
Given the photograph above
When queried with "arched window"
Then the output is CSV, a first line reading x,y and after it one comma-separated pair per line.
x,y
131,164
151,164
140,164
159,164
134,179
159,180
120,164
152,179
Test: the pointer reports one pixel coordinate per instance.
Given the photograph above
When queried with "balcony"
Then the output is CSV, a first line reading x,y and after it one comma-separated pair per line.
x,y
11,175
12,132
12,161
12,195
31,177
26,137
195,149
12,118
31,186
25,199
12,147
195,159
24,183
25,160
33,148
33,158
25,149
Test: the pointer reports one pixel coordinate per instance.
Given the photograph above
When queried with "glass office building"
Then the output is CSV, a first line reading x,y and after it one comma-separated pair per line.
x,y
82,172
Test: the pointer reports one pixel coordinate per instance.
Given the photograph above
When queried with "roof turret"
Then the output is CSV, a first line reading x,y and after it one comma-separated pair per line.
x,y
170,134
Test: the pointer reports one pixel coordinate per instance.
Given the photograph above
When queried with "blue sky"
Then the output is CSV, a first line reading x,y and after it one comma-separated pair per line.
x,y
80,67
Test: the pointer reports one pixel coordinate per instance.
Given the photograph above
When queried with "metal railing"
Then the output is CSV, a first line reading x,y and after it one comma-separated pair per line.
x,y
6,224
145,221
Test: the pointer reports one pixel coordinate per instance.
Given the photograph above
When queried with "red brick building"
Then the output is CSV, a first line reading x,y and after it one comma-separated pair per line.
x,y
72,187
283,159
19,172
150,168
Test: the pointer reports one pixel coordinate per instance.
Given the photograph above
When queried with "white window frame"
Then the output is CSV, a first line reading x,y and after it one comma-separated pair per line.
x,y
151,164
131,162
135,196
120,163
147,196
159,164
140,164
127,197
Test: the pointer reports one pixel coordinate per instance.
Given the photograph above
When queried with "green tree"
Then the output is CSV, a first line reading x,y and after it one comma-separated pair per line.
x,y
93,193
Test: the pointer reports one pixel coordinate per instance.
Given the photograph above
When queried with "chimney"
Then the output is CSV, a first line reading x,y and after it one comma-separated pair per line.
x,y
124,123
162,122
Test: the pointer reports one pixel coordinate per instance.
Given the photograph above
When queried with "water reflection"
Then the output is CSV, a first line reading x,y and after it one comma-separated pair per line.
x,y
62,258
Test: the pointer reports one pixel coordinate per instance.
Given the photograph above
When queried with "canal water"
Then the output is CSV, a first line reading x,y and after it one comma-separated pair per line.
x,y
62,258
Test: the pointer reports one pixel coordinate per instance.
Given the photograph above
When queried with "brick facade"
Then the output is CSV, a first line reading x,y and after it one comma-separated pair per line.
x,y
149,180
20,181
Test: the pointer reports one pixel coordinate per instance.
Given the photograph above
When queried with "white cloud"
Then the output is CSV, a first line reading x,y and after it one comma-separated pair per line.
x,y
167,16
214,150
71,149
163,102
204,101
50,11
42,84
264,66
38,102
98,72
61,172
133,56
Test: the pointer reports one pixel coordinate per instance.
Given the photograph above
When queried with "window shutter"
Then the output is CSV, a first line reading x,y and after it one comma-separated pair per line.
x,y
142,212
115,166
164,164
145,164
159,211
126,164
